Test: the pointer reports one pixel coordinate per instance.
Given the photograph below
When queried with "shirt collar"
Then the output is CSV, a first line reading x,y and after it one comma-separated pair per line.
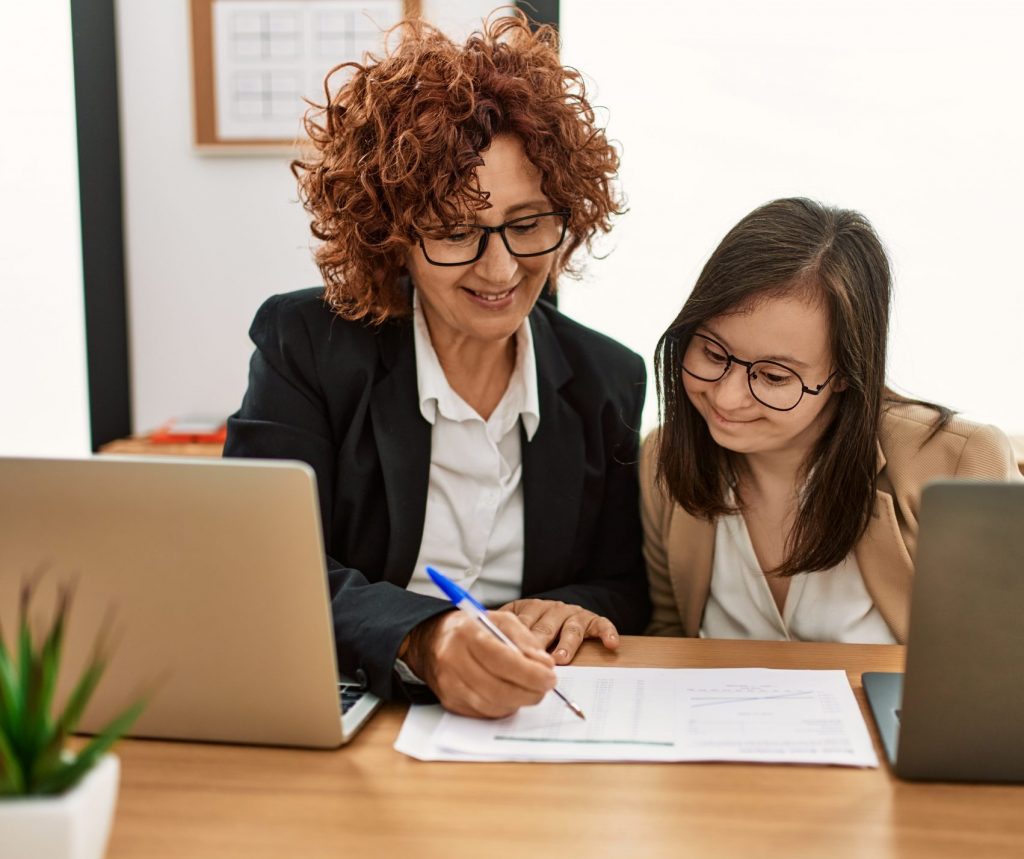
x,y
521,399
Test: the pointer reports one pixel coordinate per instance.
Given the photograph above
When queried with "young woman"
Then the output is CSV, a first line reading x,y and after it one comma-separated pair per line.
x,y
780,495
451,417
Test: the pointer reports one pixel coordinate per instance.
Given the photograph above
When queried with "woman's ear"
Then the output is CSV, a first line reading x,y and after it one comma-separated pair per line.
x,y
838,383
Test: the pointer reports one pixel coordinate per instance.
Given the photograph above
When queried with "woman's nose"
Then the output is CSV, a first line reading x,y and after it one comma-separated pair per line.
x,y
497,264
733,388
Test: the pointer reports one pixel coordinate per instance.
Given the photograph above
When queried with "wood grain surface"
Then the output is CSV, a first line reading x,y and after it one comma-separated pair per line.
x,y
195,800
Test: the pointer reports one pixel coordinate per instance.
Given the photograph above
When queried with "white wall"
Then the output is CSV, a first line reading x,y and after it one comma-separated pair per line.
x,y
905,111
909,112
207,237
44,406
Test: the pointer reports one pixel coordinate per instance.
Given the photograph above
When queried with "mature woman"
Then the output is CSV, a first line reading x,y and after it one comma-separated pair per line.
x,y
781,494
451,417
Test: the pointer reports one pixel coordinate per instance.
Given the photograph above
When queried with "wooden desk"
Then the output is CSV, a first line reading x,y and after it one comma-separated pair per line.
x,y
367,800
142,446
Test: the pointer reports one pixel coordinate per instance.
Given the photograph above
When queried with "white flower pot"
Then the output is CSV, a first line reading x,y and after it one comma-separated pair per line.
x,y
74,825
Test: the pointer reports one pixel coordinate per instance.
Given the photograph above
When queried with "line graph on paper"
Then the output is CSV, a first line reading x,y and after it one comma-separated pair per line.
x,y
764,718
747,696
632,712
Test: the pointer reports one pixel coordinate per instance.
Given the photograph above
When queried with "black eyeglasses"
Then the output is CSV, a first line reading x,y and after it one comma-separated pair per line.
x,y
772,384
529,236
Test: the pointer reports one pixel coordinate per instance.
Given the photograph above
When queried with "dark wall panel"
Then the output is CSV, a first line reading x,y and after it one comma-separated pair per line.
x,y
99,169
541,11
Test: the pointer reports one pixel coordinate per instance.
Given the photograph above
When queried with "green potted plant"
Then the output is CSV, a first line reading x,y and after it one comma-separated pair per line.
x,y
54,801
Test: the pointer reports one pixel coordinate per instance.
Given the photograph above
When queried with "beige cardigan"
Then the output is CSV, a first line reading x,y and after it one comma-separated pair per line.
x,y
679,548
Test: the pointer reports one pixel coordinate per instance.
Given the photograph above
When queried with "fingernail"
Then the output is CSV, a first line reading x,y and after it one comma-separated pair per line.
x,y
613,637
561,654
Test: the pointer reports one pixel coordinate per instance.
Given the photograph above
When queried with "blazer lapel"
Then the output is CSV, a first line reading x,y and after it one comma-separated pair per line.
x,y
403,445
553,465
885,564
690,547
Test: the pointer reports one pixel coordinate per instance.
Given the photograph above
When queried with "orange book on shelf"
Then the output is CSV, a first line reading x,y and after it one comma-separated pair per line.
x,y
196,429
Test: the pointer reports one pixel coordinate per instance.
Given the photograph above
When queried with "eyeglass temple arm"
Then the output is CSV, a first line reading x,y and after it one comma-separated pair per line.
x,y
815,391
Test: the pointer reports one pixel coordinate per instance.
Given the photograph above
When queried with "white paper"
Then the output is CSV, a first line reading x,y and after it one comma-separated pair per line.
x,y
416,739
271,54
678,714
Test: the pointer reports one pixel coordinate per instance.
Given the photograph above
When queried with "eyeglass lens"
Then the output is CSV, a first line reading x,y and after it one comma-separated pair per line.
x,y
529,236
774,385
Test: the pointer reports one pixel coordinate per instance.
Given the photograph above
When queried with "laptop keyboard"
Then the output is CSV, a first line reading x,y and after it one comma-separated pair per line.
x,y
348,696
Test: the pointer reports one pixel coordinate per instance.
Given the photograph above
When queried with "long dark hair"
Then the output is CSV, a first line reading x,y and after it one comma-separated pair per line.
x,y
835,256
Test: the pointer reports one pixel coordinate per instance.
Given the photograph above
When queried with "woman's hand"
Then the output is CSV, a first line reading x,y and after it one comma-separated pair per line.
x,y
471,671
550,620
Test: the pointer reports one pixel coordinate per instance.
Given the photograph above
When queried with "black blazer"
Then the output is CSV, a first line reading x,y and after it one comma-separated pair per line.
x,y
343,397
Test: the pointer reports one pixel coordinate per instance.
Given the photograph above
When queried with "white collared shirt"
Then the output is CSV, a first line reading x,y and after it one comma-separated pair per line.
x,y
827,605
473,527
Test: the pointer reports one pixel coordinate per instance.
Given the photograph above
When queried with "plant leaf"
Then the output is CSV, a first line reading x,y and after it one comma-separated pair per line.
x,y
32,737
66,776
48,755
4,654
10,700
11,769
51,652
23,674
10,714
34,720
24,634
43,740
67,721
75,705
7,678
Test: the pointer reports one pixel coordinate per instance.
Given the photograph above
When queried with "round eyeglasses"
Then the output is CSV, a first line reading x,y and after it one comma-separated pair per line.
x,y
529,236
772,384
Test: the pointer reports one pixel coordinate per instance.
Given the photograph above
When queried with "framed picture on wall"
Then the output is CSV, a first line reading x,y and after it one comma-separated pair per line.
x,y
254,62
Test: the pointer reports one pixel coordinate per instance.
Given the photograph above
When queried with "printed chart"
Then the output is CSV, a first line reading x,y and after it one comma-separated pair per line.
x,y
270,55
676,714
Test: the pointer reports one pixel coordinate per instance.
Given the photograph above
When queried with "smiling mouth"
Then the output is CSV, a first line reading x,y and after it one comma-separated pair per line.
x,y
491,296
723,418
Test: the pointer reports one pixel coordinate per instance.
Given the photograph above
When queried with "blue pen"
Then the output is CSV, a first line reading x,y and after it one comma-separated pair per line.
x,y
465,602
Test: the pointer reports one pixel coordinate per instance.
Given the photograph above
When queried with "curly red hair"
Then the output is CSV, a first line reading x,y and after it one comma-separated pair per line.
x,y
395,150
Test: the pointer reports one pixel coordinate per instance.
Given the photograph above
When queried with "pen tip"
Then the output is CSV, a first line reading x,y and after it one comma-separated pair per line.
x,y
572,705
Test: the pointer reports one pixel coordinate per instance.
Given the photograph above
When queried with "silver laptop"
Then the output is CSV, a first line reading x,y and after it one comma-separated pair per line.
x,y
214,571
958,712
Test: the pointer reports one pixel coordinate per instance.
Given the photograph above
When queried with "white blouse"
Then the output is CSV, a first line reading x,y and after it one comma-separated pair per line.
x,y
828,605
473,527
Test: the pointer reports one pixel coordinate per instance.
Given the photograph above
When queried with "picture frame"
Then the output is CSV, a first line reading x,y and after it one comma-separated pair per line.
x,y
254,61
